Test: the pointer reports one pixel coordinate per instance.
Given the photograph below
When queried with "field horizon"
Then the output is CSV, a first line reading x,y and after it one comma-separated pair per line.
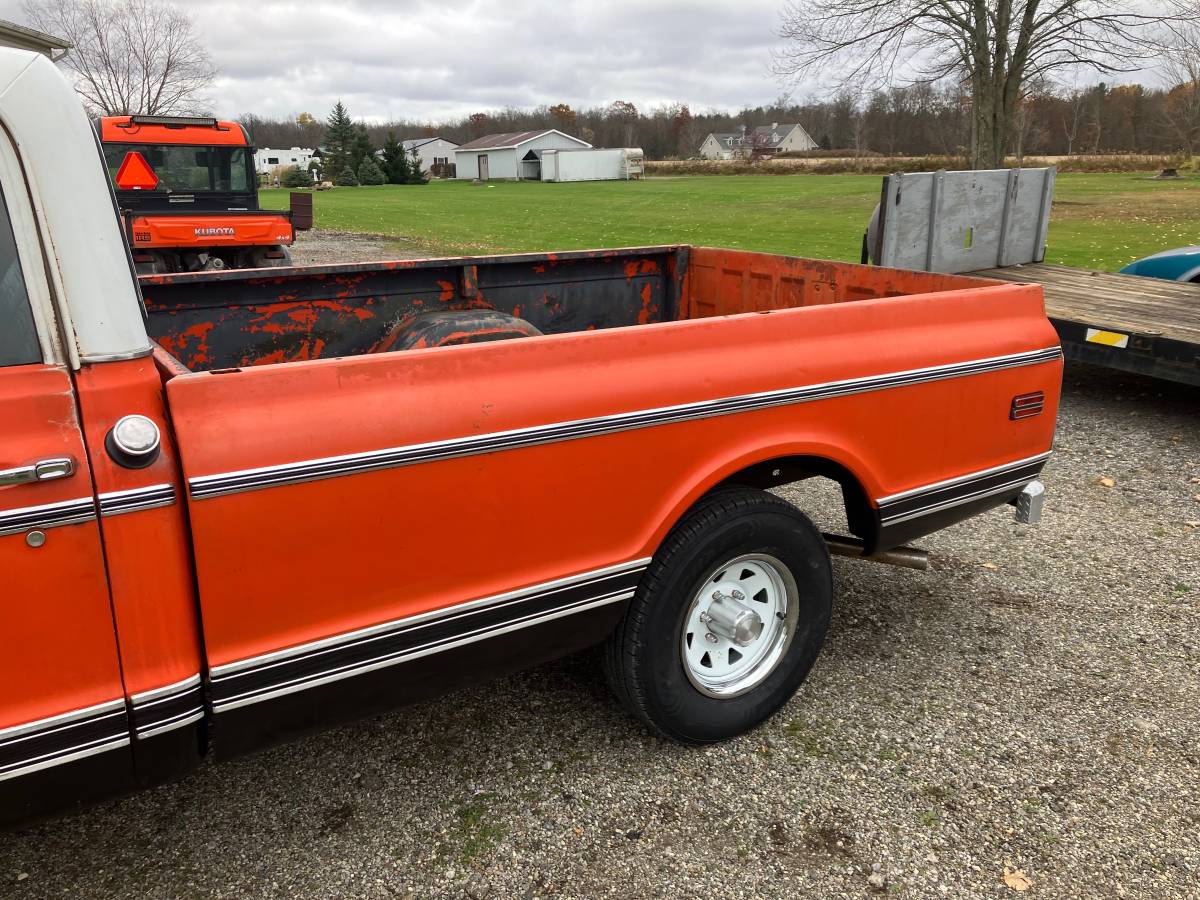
x,y
1101,221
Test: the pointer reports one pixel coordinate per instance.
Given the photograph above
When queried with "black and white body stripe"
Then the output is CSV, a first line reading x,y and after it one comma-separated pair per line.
x,y
34,746
344,656
48,515
206,486
114,503
83,509
168,708
936,498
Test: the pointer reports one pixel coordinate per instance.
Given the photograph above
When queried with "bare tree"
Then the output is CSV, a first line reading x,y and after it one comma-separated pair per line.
x,y
993,46
129,56
1072,116
1181,65
625,114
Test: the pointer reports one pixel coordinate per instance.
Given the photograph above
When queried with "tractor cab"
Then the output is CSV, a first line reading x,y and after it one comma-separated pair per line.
x,y
188,194
196,162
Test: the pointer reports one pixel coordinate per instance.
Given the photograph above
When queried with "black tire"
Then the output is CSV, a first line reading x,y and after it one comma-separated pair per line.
x,y
643,661
258,259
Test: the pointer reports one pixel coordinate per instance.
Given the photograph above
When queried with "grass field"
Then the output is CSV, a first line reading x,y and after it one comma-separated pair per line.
x,y
1100,221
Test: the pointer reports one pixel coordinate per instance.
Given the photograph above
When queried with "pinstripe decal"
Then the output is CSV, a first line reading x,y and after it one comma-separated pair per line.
x,y
206,486
935,498
355,653
114,503
34,746
45,743
49,515
168,708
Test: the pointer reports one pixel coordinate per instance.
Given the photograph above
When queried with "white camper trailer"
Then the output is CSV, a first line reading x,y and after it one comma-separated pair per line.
x,y
621,163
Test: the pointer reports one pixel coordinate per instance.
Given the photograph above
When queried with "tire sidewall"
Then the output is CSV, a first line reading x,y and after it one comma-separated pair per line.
x,y
694,716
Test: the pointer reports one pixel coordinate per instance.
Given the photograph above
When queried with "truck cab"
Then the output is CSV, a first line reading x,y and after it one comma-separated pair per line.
x,y
187,193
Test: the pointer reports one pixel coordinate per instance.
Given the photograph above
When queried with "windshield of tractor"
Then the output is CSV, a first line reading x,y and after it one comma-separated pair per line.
x,y
188,169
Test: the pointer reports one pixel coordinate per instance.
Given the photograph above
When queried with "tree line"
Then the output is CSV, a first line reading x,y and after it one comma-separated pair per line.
x,y
983,80
915,120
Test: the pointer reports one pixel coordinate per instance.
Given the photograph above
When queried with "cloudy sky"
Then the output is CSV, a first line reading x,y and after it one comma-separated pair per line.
x,y
439,60
434,60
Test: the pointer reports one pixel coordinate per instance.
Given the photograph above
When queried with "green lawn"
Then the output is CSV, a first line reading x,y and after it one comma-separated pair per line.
x,y
1102,221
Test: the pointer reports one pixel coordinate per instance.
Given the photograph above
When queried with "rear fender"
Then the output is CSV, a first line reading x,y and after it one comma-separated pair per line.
x,y
771,466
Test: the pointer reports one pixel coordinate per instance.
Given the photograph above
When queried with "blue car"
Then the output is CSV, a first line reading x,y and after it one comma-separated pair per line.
x,y
1182,264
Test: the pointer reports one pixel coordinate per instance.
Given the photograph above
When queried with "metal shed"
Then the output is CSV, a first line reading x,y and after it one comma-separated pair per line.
x,y
513,156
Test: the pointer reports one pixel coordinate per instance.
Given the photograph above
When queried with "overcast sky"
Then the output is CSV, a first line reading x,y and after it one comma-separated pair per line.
x,y
439,60
434,60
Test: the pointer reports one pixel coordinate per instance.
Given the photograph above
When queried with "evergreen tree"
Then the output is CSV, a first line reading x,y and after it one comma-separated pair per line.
x,y
395,161
369,172
346,178
296,177
339,138
415,174
360,147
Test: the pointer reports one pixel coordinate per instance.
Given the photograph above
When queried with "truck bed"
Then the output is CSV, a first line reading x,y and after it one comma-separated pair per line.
x,y
1145,325
216,320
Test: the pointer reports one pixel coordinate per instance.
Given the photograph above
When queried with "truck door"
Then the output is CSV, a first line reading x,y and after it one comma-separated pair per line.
x,y
63,724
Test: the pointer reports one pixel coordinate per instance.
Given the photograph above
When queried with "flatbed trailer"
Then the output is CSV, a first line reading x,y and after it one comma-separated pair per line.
x,y
1145,325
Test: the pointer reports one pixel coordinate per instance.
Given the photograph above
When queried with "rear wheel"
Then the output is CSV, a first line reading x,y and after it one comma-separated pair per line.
x,y
727,621
152,263
269,257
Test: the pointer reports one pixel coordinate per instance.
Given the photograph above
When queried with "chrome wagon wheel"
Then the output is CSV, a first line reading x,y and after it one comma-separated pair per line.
x,y
739,625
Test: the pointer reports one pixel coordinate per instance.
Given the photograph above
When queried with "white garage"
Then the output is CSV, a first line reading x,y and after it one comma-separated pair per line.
x,y
514,156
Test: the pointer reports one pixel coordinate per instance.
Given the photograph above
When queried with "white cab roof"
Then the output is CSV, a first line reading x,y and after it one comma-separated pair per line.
x,y
86,258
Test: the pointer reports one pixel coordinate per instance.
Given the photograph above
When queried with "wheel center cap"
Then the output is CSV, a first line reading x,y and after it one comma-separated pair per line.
x,y
728,617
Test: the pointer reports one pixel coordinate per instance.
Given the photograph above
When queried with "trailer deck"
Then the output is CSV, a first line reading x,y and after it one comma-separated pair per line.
x,y
1144,325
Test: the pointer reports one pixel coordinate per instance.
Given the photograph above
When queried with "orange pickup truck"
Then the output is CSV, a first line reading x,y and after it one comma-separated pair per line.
x,y
238,506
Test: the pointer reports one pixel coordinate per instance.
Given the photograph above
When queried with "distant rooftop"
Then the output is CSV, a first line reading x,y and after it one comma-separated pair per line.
x,y
767,136
513,139
414,143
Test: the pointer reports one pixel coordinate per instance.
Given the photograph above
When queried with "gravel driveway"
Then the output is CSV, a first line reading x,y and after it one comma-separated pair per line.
x,y
1026,708
323,248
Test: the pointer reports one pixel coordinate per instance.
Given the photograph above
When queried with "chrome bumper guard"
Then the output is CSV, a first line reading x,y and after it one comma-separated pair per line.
x,y
1029,503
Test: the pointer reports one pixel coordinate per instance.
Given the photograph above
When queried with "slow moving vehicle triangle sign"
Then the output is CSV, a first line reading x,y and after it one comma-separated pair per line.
x,y
135,173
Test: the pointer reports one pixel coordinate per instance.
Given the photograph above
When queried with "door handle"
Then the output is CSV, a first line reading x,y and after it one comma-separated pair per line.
x,y
42,470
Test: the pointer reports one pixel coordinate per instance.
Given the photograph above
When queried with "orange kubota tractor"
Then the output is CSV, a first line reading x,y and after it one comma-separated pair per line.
x,y
187,193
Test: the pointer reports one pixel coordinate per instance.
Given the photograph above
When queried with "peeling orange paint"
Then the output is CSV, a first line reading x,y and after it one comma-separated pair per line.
x,y
648,308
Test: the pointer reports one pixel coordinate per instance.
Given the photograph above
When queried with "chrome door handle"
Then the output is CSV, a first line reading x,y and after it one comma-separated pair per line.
x,y
42,470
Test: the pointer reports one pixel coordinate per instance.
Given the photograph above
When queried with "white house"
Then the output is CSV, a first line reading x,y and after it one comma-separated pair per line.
x,y
514,156
268,161
765,140
432,151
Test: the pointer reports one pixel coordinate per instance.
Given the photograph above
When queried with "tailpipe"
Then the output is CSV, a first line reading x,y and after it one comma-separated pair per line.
x,y
905,557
